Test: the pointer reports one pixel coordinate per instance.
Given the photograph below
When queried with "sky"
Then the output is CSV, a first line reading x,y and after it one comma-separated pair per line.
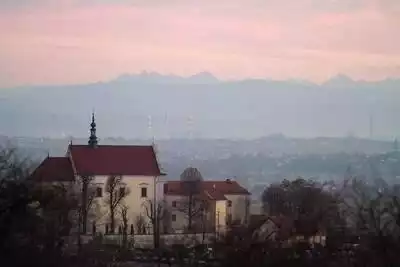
x,y
75,41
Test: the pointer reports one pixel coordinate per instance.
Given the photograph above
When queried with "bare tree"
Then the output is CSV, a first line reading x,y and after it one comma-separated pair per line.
x,y
116,192
371,208
371,211
156,212
396,204
124,216
140,224
11,164
86,198
192,205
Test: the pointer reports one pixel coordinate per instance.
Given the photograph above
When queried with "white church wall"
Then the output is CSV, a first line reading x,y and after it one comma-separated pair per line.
x,y
133,200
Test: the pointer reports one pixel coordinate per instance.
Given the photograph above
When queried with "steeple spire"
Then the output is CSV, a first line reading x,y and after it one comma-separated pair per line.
x,y
93,138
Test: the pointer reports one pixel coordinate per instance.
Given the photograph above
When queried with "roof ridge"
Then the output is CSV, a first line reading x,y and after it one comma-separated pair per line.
x,y
157,159
53,168
208,194
122,159
220,181
222,187
83,145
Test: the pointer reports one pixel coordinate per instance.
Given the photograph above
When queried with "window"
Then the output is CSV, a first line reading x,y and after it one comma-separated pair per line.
x,y
144,192
121,191
174,204
229,203
99,192
173,217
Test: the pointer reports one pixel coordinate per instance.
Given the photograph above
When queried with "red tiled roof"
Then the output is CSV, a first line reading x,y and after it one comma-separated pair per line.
x,y
54,169
222,187
114,160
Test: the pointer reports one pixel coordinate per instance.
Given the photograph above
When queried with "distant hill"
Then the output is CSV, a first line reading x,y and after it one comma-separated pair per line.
x,y
245,109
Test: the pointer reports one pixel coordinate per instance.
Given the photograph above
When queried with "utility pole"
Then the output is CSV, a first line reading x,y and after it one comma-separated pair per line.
x,y
371,126
166,128
190,132
150,128
153,205
218,225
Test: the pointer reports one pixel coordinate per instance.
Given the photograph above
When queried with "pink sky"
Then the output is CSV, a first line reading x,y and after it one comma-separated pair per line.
x,y
65,41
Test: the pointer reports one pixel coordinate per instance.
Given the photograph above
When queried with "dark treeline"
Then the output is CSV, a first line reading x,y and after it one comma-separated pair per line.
x,y
358,220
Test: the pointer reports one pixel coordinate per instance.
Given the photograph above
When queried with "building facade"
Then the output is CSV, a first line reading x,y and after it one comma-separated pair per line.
x,y
122,186
205,206
124,177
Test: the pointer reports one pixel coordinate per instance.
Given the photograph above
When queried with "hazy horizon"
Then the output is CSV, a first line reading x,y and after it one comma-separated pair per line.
x,y
149,140
343,77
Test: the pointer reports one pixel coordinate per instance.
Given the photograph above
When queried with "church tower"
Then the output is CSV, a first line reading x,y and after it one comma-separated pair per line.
x,y
93,138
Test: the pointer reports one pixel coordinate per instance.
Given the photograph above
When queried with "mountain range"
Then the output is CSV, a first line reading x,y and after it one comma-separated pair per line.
x,y
149,105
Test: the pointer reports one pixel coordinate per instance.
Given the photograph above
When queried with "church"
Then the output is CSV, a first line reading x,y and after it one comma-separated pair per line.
x,y
135,167
139,185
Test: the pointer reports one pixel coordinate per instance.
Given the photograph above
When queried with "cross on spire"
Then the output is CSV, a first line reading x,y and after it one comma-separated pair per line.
x,y
93,138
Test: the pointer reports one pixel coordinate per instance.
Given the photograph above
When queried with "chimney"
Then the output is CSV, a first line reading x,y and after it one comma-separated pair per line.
x,y
214,187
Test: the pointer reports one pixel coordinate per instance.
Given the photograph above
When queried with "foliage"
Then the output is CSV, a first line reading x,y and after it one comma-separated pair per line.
x,y
33,222
312,206
11,166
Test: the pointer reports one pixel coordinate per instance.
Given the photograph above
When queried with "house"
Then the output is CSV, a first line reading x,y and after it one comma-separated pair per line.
x,y
265,227
208,206
134,167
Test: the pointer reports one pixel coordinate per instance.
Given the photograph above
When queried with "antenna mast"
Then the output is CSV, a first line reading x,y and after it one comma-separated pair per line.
x,y
166,125
371,125
150,128
152,137
190,130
